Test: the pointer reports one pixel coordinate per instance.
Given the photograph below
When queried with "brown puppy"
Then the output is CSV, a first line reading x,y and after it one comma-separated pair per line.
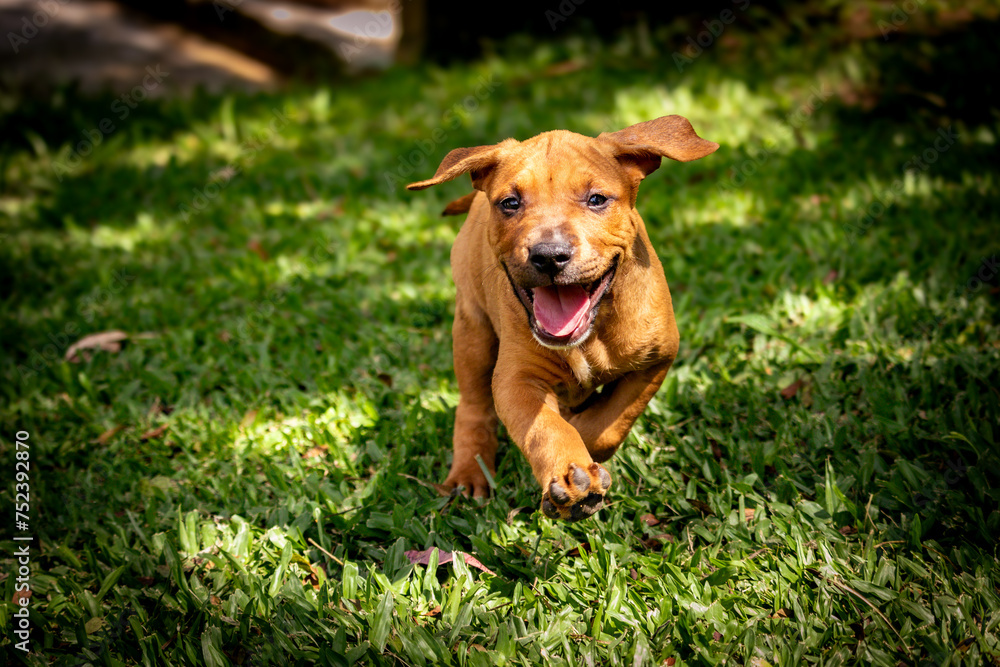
x,y
564,326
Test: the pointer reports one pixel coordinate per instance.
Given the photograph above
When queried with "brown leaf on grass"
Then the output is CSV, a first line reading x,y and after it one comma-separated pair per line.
x,y
519,511
701,506
650,520
583,547
792,389
107,435
109,341
716,450
316,452
655,542
155,432
424,558
248,418
433,612
255,246
717,636
748,514
565,67
782,613
20,595
158,408
385,379
474,562
441,489
312,579
847,530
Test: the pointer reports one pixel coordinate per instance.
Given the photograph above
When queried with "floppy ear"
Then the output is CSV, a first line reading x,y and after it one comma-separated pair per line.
x,y
477,161
644,144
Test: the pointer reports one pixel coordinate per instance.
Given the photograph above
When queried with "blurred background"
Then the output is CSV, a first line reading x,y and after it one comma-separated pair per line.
x,y
258,44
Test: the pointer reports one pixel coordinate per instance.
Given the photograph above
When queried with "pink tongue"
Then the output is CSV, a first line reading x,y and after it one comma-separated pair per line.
x,y
560,309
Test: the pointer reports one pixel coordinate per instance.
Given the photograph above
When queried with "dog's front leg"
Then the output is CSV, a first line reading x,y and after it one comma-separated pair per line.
x,y
604,424
573,485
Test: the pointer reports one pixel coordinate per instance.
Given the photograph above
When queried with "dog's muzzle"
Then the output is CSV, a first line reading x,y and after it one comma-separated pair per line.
x,y
563,315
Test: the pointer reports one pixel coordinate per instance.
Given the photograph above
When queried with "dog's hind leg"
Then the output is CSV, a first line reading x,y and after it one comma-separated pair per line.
x,y
475,350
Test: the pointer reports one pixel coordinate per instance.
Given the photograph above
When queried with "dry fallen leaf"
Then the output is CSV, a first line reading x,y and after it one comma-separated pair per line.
x,y
748,514
248,418
519,511
790,390
655,542
650,520
700,505
255,246
424,557
154,433
107,435
109,341
441,489
316,452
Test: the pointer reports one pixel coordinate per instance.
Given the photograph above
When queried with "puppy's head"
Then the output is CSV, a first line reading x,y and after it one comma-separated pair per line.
x,y
562,214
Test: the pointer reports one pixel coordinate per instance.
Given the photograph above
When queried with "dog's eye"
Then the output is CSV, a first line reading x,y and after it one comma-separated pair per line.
x,y
597,200
510,204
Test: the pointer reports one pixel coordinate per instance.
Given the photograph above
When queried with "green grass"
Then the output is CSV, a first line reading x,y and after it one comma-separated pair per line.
x,y
297,350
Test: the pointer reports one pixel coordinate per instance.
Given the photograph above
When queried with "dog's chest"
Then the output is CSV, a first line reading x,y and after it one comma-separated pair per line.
x,y
588,371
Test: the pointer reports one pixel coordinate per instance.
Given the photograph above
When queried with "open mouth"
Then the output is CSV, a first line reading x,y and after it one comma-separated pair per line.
x,y
562,315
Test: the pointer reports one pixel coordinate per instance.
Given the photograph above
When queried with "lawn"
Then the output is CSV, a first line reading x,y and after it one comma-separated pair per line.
x,y
240,479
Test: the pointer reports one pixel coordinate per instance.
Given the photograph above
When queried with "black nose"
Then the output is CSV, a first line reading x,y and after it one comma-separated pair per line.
x,y
551,258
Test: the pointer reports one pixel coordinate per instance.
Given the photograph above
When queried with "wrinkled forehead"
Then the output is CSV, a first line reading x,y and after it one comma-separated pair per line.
x,y
560,158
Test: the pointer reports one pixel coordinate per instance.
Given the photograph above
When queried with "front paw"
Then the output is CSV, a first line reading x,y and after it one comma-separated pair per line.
x,y
576,494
